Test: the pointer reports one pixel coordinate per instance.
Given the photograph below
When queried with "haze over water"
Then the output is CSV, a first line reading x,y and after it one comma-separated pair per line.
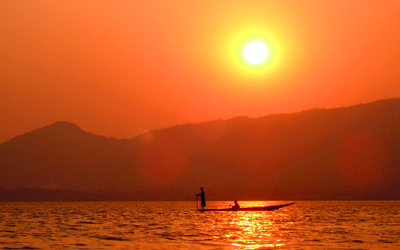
x,y
176,225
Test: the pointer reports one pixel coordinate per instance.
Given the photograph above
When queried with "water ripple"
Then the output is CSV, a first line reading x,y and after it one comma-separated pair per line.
x,y
176,225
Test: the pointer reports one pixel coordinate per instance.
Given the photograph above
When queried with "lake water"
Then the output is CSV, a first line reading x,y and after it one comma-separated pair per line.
x,y
176,225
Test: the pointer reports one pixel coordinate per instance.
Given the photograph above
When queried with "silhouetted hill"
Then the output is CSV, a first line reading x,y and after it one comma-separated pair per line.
x,y
343,153
62,156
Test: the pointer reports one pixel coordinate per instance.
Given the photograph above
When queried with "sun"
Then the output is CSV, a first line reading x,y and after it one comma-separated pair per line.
x,y
255,52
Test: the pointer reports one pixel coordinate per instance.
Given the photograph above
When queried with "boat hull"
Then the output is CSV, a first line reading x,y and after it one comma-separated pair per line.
x,y
266,208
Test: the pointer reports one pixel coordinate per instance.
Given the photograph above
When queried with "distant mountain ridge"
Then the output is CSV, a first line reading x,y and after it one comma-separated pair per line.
x,y
341,153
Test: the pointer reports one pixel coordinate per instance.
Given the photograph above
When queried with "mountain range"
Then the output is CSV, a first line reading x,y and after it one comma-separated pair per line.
x,y
320,154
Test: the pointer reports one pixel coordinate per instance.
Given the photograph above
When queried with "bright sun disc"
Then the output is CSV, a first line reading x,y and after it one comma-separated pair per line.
x,y
255,52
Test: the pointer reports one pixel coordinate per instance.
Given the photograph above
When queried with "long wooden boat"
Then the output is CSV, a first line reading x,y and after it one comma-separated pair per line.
x,y
266,208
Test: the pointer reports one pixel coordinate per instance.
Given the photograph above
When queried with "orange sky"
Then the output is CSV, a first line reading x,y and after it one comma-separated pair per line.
x,y
121,68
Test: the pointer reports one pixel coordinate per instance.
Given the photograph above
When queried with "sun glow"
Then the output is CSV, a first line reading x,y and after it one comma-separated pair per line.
x,y
255,55
255,52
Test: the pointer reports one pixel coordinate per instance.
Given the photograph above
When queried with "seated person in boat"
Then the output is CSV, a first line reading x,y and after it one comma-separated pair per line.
x,y
235,206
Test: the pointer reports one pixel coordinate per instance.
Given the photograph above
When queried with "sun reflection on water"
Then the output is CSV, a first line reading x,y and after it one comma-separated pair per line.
x,y
252,229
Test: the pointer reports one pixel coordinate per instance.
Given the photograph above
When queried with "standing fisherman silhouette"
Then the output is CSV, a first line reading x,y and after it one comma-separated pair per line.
x,y
202,197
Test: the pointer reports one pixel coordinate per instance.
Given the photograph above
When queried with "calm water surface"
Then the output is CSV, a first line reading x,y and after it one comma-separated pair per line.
x,y
176,225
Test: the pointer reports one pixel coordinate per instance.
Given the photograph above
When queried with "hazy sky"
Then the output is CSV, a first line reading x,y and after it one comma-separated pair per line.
x,y
121,68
